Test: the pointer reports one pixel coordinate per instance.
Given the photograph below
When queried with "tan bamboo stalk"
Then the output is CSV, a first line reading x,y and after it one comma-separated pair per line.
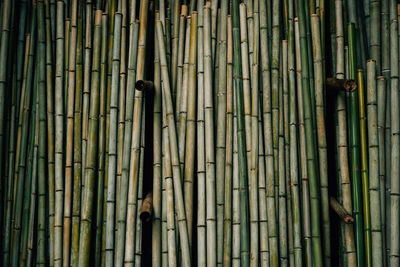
x,y
91,157
175,40
181,45
200,165
191,127
227,245
178,194
250,30
59,127
214,22
66,230
342,150
136,141
302,155
322,149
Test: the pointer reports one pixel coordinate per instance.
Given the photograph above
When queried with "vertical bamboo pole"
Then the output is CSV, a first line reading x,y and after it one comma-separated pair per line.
x,y
91,157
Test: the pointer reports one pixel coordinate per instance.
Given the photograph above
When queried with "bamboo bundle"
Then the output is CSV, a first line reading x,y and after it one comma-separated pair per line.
x,y
245,115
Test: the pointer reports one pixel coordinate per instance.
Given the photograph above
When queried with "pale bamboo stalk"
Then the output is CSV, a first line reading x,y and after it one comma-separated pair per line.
x,y
342,146
282,194
191,127
321,140
157,162
67,22
227,220
180,208
59,126
66,227
221,126
169,194
201,167
394,258
91,157
164,235
138,109
306,212
246,79
373,152
214,22
138,226
86,87
254,160
181,46
183,101
175,41
209,140
236,241
267,135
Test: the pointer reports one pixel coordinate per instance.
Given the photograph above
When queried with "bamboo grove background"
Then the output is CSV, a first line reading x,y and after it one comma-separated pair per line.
x,y
204,133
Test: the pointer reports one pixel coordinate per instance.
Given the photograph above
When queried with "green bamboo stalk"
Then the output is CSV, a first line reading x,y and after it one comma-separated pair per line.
x,y
214,23
86,87
28,261
191,128
180,210
77,157
41,80
374,33
67,24
373,160
201,181
59,124
267,135
354,152
91,157
394,181
221,127
101,188
364,169
227,245
312,166
66,229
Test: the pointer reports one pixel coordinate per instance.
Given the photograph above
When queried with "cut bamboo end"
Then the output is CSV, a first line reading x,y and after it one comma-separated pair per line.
x,y
147,208
341,84
144,86
340,211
